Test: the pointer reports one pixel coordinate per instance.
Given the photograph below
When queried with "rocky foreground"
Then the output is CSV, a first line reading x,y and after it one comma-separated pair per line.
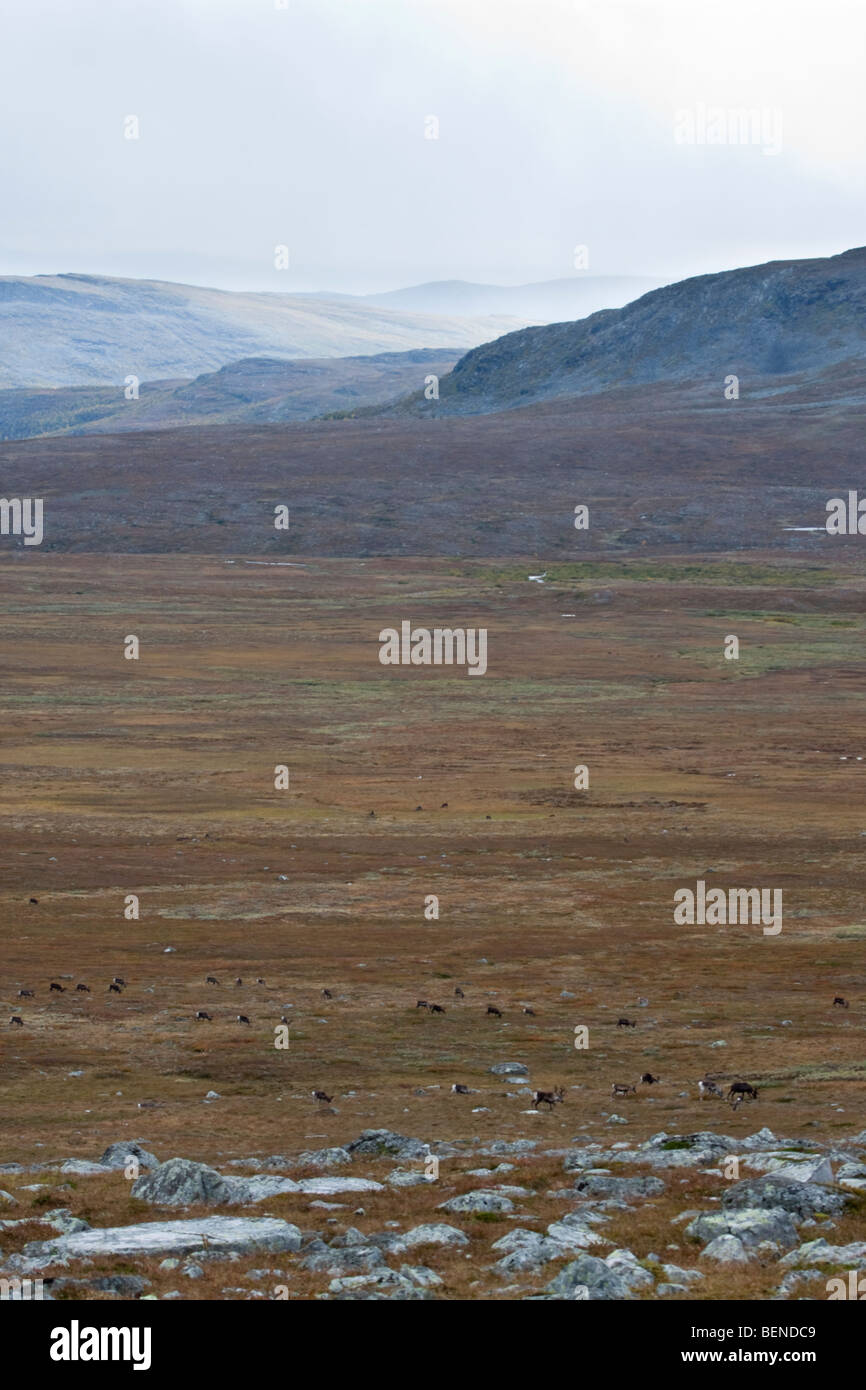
x,y
780,1205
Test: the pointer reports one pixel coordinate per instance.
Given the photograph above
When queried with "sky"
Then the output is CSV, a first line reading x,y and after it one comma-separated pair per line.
x,y
306,124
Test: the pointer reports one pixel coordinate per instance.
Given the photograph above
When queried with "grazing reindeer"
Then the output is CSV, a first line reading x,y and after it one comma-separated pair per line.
x,y
458,1090
260,981
116,980
550,1098
709,1088
743,1089
421,1004
211,980
531,1012
82,989
56,989
26,994
326,994
114,989
492,1009
458,993
34,900
242,1018
284,1019
320,1095
625,1023
238,981
840,1003
148,1104
619,1088
436,1009
649,1080
203,1014
17,1021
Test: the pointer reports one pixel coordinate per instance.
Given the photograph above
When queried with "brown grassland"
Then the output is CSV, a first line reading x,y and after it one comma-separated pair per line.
x,y
156,778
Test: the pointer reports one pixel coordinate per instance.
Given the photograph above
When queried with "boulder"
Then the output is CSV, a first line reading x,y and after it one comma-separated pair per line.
x,y
478,1201
589,1278
597,1185
751,1225
509,1069
229,1233
435,1233
182,1183
385,1143
726,1250
801,1199
119,1155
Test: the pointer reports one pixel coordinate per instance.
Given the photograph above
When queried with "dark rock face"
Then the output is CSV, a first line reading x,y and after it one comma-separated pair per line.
x,y
622,1188
381,1143
767,320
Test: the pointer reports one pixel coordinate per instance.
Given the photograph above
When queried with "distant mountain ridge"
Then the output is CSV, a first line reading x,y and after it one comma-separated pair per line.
x,y
774,320
70,330
548,301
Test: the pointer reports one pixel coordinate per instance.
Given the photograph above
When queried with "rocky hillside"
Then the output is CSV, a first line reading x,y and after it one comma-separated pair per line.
x,y
65,330
772,320
258,389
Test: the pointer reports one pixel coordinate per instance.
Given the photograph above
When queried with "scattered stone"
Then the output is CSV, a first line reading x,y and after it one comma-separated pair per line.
x,y
726,1249
750,1225
592,1274
229,1233
478,1201
435,1233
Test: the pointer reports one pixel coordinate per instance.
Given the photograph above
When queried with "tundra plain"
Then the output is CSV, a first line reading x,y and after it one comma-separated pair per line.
x,y
155,777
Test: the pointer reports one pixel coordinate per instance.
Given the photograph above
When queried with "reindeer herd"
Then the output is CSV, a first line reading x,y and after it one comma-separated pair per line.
x,y
708,1086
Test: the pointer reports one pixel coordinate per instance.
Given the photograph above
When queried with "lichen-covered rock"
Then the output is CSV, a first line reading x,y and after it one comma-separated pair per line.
x,y
590,1278
801,1199
435,1233
751,1225
478,1201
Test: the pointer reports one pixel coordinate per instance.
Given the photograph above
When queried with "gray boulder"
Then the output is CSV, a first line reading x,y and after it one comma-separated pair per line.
x,y
726,1250
593,1275
597,1185
751,1225
478,1201
229,1233
801,1199
182,1183
119,1155
435,1233
509,1069
385,1143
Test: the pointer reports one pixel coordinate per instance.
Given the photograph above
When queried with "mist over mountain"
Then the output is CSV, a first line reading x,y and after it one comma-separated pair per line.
x,y
780,319
66,330
548,301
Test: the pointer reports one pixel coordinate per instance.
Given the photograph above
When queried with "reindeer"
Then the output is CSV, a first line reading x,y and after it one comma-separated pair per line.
x,y
840,1003
619,1088
625,1023
458,993
17,1021
211,980
204,1016
531,1012
709,1088
81,989
56,989
326,994
421,1004
458,1090
242,1018
238,981
26,994
320,1095
117,980
436,1009
114,989
549,1098
743,1089
649,1080
260,981
492,1009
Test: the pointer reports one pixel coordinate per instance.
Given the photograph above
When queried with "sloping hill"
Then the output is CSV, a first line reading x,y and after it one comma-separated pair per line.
x,y
257,389
772,320
65,330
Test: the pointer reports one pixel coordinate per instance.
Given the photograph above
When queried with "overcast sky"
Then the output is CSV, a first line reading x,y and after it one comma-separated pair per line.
x,y
305,126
